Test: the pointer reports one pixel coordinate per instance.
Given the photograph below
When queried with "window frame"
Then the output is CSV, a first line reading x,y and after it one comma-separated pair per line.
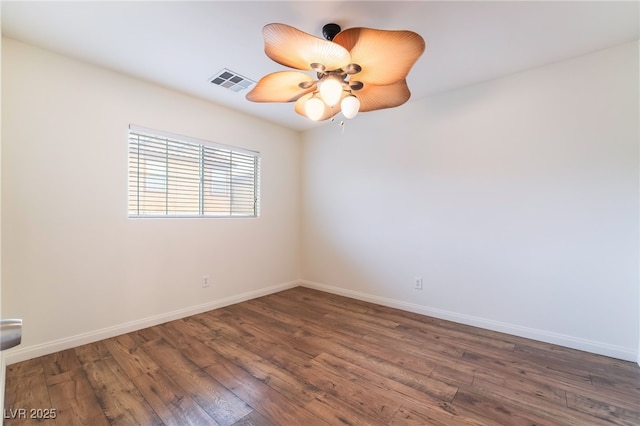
x,y
207,152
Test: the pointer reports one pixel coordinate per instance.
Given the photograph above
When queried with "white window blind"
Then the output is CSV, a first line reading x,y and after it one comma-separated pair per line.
x,y
171,175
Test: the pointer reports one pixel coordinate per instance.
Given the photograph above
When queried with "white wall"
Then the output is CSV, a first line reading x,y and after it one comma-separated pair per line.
x,y
2,360
517,201
74,267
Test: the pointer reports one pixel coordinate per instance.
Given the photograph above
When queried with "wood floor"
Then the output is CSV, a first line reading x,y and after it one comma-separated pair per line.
x,y
303,357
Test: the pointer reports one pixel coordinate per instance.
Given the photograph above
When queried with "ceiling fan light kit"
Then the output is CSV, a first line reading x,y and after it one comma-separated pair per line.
x,y
314,107
350,106
357,70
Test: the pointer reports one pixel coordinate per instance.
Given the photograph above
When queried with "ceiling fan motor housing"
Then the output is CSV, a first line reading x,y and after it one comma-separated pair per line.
x,y
329,31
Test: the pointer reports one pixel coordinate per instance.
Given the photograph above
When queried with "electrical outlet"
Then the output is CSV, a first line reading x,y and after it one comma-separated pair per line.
x,y
205,281
417,283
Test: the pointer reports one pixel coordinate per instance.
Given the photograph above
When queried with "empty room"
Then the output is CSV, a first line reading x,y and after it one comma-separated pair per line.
x,y
320,213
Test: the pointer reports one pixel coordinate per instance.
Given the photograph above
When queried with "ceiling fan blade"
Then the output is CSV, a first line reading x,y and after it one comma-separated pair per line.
x,y
283,86
373,97
328,111
385,56
293,48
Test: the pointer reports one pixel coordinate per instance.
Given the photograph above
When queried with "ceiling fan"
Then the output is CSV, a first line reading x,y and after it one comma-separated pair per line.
x,y
361,69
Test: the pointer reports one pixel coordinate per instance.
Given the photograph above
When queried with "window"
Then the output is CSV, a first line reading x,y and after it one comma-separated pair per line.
x,y
171,175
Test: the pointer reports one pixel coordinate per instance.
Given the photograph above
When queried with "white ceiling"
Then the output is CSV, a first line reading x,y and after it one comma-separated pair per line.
x,y
182,44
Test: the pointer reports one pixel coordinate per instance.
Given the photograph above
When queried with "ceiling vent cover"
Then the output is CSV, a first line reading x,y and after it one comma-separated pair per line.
x,y
232,80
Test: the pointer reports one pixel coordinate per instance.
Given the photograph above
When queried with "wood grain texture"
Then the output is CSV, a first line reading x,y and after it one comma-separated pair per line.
x,y
304,357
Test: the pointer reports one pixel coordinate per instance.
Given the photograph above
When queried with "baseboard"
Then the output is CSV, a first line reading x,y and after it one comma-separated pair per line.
x,y
599,348
23,353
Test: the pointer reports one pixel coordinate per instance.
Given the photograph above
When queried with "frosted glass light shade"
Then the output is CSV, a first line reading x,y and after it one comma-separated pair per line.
x,y
350,106
314,108
330,90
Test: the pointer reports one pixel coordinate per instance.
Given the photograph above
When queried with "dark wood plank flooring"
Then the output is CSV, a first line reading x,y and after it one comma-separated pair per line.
x,y
304,357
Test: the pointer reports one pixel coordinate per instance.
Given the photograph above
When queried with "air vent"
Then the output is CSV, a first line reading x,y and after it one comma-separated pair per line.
x,y
232,80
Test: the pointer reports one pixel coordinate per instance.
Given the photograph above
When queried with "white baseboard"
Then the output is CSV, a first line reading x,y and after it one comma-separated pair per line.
x,y
23,353
599,348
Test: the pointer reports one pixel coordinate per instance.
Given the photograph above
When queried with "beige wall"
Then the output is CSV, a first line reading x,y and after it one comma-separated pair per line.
x,y
516,201
74,266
